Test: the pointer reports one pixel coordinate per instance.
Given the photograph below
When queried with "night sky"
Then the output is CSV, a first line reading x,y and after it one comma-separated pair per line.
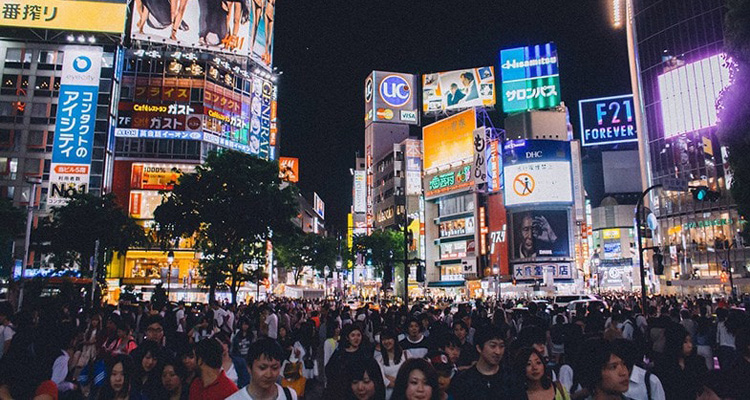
x,y
327,48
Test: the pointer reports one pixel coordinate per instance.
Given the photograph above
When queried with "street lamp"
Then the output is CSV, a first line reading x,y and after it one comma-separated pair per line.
x,y
339,263
33,180
326,270
170,260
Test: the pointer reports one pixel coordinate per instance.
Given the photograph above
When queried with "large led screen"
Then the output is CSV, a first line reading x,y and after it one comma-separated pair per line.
x,y
689,93
540,233
90,16
530,78
537,172
474,87
607,120
449,140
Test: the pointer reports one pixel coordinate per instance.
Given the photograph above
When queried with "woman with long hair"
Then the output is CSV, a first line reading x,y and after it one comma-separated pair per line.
x,y
351,350
333,334
173,385
146,379
364,381
532,378
390,358
305,349
417,380
680,369
120,370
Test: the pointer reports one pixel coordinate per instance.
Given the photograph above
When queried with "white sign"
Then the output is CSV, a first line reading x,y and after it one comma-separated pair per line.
x,y
469,266
538,270
65,180
540,182
319,206
480,156
360,191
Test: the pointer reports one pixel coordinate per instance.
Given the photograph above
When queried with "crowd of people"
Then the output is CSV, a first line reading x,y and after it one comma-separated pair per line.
x,y
287,349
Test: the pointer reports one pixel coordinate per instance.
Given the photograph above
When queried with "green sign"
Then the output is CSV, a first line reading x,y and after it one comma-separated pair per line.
x,y
450,181
707,223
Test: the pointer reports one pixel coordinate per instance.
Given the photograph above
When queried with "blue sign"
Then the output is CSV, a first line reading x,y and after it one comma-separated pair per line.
x,y
157,134
532,151
530,78
74,131
607,120
395,91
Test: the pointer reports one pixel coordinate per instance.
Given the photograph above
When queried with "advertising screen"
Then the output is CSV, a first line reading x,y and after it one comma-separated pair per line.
x,y
537,172
209,25
442,183
74,131
474,87
360,191
157,176
497,240
457,227
319,206
689,93
91,16
449,140
607,120
530,78
540,233
143,203
413,168
261,30
391,97
289,169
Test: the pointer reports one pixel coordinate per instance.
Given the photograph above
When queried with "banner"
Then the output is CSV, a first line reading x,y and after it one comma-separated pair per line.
x,y
390,97
449,140
289,169
530,78
91,16
222,26
480,156
537,172
319,206
474,87
261,31
74,131
540,233
360,191
537,271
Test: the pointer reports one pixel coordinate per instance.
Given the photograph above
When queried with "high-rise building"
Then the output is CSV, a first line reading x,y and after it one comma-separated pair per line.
x,y
679,48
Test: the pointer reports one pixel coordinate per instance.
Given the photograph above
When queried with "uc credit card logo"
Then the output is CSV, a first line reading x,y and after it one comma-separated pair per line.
x,y
395,91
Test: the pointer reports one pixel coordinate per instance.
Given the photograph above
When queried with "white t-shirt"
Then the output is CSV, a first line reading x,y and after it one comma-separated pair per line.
x,y
179,316
219,315
242,394
273,326
6,334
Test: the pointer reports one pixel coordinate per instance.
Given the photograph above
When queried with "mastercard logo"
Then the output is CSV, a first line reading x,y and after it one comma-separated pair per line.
x,y
385,113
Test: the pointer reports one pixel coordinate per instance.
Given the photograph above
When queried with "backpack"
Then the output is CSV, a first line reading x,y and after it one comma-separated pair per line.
x,y
639,338
288,394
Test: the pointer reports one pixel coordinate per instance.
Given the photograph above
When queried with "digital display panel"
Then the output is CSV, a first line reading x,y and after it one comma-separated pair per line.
x,y
530,78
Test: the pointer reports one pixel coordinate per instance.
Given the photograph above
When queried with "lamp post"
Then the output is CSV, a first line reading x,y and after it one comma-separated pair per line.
x,y
170,260
339,263
326,270
35,180
730,270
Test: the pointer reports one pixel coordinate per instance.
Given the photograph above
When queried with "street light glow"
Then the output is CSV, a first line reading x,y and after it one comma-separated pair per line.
x,y
617,13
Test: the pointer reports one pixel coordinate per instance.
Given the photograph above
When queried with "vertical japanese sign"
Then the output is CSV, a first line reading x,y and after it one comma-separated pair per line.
x,y
530,78
480,156
74,131
265,120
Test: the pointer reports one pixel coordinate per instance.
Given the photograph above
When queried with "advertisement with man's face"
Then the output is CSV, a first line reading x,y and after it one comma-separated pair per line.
x,y
474,87
214,25
540,233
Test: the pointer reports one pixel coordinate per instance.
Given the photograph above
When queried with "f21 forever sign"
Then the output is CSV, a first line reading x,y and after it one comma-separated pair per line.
x,y
607,120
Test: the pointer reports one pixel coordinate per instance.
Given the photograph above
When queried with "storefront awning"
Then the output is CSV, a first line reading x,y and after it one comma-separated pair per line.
x,y
446,284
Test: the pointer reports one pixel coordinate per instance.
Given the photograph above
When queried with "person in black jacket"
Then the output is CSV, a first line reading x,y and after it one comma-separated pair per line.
x,y
680,369
488,379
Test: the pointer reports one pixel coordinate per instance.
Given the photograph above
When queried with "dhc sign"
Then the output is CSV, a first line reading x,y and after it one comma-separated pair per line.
x,y
607,120
395,91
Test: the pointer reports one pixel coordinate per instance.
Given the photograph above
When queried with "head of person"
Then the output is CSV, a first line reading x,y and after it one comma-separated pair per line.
x,y
603,371
155,328
451,346
460,329
444,374
123,329
364,381
208,355
6,311
413,328
264,362
527,233
490,343
245,326
333,330
187,358
389,344
351,337
120,370
533,336
416,380
225,340
147,357
467,78
454,88
528,366
678,343
172,375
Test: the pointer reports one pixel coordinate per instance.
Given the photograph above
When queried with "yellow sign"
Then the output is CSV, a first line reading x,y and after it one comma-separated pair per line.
x,y
611,233
449,140
94,16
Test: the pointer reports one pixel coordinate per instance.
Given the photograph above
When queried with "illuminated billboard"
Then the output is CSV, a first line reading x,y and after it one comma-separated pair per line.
x,y
289,169
151,176
607,120
208,25
413,167
91,16
540,233
530,78
360,191
459,179
391,97
537,172
474,87
449,140
689,93
537,271
74,131
261,30
319,206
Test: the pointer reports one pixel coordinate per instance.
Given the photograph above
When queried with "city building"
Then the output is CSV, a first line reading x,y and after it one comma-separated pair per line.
x,y
676,39
613,241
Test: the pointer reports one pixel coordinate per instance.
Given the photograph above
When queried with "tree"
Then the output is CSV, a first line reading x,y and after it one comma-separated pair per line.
x,y
13,221
734,108
70,233
231,205
307,250
383,249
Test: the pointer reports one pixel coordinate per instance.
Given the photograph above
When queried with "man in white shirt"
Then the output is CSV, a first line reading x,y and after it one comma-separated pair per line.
x,y
180,317
638,387
6,330
264,362
271,321
220,314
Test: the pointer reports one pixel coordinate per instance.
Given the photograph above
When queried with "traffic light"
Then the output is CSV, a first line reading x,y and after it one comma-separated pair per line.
x,y
420,272
703,193
387,275
658,263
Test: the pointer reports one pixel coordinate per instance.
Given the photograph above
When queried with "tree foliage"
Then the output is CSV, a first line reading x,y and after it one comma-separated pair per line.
x,y
385,249
307,250
13,222
231,205
69,234
734,108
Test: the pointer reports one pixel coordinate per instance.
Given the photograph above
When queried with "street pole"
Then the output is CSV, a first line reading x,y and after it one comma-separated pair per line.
x,y
406,256
638,209
730,272
29,222
94,271
170,260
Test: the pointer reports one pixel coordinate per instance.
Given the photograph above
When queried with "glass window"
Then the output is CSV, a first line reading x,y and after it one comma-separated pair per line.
x,y
43,83
36,139
10,81
13,55
33,166
8,168
39,110
46,57
24,81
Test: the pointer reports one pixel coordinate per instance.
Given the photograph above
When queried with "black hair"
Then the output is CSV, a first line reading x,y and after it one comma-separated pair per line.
x,y
6,309
128,369
397,350
675,336
266,347
489,332
518,367
628,351
223,337
449,340
531,335
468,76
155,319
458,321
413,320
355,371
210,351
331,326
596,353
344,339
402,379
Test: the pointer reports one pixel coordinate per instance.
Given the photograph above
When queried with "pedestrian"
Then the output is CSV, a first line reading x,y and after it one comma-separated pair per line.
x,y
212,383
390,358
147,378
120,370
351,350
680,369
233,366
417,380
264,362
242,339
364,381
604,373
487,379
173,385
